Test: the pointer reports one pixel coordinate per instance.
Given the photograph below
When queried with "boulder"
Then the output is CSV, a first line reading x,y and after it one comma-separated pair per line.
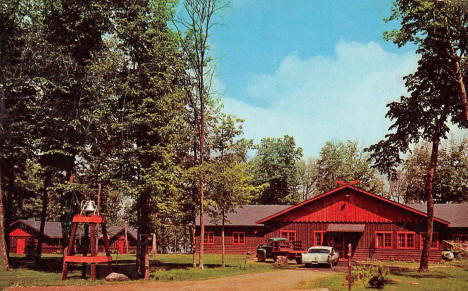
x,y
116,277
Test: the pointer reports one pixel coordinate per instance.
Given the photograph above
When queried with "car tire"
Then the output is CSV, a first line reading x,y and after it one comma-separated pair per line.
x,y
299,261
260,257
307,265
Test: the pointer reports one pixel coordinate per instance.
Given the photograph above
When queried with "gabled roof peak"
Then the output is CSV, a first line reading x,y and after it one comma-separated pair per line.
x,y
349,186
341,183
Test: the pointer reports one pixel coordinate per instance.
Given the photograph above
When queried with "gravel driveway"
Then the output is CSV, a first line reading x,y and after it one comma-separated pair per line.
x,y
277,280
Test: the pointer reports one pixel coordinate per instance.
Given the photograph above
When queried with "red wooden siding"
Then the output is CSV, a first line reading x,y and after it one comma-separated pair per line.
x,y
49,246
353,208
252,238
365,248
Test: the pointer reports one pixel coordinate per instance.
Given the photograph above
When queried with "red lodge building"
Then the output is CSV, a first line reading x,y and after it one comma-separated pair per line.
x,y
376,227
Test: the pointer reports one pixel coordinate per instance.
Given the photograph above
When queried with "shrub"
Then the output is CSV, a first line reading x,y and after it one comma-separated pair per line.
x,y
376,277
371,276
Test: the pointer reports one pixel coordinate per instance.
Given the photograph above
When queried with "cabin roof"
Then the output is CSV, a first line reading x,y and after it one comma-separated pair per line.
x,y
456,213
245,215
52,229
115,230
348,186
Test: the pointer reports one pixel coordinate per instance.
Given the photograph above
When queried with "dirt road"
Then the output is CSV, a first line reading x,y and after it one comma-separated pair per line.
x,y
278,280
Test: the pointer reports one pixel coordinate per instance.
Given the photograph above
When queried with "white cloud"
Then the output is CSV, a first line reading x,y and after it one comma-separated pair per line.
x,y
322,98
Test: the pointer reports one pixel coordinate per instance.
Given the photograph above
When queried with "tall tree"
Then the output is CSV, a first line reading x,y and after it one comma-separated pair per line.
x,y
276,164
151,113
198,21
229,179
425,114
60,129
17,69
422,19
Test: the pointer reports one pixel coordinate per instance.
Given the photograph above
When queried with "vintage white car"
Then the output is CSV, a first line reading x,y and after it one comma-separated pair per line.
x,y
320,255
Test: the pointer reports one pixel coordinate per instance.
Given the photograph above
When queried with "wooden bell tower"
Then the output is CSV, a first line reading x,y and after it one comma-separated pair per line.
x,y
93,220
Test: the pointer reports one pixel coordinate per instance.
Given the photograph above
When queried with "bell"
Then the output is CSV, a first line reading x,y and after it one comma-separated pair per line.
x,y
88,207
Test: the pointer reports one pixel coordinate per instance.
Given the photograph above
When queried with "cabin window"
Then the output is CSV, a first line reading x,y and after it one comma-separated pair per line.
x,y
289,234
318,238
405,240
209,238
435,240
383,240
238,238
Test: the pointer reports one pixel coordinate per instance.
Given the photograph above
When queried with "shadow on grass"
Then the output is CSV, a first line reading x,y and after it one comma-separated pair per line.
x,y
54,265
48,265
171,266
416,275
127,267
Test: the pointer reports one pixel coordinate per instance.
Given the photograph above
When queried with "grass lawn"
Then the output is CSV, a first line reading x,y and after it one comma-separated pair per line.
x,y
450,276
162,267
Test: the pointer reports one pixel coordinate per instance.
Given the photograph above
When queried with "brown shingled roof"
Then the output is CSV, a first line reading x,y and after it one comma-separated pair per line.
x,y
457,214
246,215
52,229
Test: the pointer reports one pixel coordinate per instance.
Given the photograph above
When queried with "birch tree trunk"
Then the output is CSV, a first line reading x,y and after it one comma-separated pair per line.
x,y
223,263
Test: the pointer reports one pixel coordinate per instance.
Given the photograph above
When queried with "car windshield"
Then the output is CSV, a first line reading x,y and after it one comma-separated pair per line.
x,y
318,251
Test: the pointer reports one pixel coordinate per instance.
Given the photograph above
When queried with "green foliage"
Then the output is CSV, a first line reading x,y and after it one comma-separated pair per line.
x,y
307,171
371,276
377,277
433,100
228,175
275,165
450,179
345,161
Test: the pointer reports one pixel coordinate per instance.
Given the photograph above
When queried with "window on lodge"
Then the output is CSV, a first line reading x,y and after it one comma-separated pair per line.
x,y
209,237
405,240
383,240
435,240
238,238
318,238
289,234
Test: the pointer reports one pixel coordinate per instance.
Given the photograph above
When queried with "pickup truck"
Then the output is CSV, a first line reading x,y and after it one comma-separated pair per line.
x,y
320,255
279,246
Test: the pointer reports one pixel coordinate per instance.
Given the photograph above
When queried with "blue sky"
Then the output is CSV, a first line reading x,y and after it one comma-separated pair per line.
x,y
316,70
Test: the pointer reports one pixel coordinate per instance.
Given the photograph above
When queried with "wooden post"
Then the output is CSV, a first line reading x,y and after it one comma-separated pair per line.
x,y
106,245
84,247
154,245
98,212
126,237
349,266
93,250
68,252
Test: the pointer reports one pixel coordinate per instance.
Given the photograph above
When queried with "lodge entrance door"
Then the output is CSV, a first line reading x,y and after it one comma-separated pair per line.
x,y
340,241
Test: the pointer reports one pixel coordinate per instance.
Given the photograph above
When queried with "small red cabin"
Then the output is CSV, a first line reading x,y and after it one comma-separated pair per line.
x,y
117,239
25,233
376,227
